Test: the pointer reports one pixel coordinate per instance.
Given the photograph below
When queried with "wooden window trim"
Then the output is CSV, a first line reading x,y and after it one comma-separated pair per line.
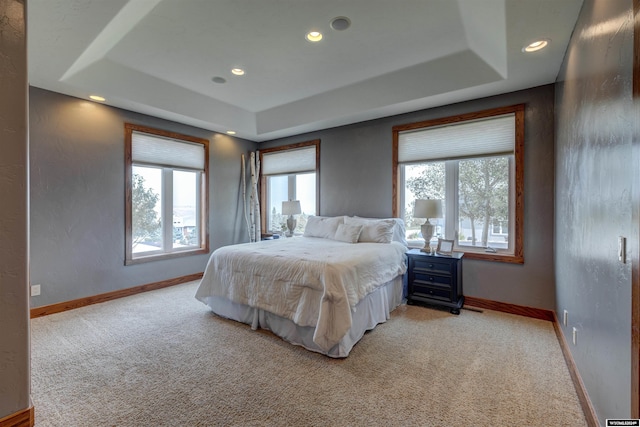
x,y
518,111
204,188
263,179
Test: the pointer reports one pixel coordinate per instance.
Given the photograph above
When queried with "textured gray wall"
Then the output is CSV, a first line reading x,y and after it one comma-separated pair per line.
x,y
594,175
14,225
356,179
77,198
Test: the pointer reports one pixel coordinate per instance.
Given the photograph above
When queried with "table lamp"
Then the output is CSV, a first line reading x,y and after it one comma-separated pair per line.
x,y
427,208
291,208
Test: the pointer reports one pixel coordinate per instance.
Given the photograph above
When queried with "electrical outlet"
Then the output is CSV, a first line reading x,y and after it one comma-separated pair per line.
x,y
575,336
565,318
35,290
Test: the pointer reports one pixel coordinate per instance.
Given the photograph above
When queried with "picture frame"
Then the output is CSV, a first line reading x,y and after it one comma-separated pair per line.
x,y
445,247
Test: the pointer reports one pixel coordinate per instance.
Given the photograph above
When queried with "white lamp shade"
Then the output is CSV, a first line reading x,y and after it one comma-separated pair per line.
x,y
427,208
291,207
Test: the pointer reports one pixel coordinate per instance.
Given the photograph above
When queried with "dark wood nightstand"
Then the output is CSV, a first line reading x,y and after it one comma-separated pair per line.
x,y
435,279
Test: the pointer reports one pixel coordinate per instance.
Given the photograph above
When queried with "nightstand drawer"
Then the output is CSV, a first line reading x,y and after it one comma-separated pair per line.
x,y
435,280
427,279
422,265
431,291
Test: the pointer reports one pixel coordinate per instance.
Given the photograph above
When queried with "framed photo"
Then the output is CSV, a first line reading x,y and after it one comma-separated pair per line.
x,y
445,247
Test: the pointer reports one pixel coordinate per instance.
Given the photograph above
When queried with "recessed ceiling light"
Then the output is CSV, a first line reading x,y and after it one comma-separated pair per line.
x,y
218,79
97,98
237,71
314,36
536,45
340,23
231,132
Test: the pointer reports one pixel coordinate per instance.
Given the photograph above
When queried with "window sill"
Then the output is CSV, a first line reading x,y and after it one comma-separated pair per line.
x,y
165,256
483,256
496,257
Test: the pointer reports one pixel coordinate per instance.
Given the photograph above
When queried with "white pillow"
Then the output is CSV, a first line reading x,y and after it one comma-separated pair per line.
x,y
322,226
373,230
348,233
399,231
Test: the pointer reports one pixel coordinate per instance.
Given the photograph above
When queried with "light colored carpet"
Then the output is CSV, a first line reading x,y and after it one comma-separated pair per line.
x,y
163,359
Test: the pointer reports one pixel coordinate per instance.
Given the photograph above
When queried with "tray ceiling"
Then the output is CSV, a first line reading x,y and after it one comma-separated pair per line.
x,y
160,57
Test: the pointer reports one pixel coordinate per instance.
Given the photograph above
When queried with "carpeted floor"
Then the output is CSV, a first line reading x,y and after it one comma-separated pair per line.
x,y
163,359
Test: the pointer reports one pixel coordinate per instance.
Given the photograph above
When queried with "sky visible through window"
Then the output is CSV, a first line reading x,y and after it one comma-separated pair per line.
x,y
184,191
305,192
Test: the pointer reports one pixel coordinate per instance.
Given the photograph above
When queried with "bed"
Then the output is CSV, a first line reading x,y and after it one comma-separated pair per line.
x,y
321,291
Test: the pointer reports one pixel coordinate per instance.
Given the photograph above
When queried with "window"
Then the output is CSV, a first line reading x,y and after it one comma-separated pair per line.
x,y
474,164
287,173
166,194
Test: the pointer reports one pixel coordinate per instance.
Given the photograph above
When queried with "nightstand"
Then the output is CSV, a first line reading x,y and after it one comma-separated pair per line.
x,y
435,279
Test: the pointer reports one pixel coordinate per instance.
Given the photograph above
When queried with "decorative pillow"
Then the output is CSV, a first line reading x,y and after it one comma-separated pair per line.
x,y
322,226
348,233
376,231
399,231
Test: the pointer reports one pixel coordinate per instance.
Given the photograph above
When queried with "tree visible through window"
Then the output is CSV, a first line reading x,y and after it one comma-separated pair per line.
x,y
146,224
483,191
484,197
166,188
474,164
289,173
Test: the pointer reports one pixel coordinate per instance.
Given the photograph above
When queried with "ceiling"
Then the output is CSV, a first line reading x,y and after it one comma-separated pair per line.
x,y
159,57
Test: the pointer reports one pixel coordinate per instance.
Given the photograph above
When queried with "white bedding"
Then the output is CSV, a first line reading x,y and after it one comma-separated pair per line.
x,y
311,281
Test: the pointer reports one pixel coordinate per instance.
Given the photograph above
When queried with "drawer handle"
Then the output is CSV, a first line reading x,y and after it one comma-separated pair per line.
x,y
430,265
431,279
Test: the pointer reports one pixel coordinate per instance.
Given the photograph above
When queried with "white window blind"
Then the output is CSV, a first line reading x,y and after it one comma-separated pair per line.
x,y
156,150
289,161
484,137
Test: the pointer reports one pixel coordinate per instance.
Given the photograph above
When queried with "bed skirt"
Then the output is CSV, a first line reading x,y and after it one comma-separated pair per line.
x,y
373,309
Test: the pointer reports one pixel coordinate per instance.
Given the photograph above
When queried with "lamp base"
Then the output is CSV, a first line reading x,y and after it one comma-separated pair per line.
x,y
291,225
426,230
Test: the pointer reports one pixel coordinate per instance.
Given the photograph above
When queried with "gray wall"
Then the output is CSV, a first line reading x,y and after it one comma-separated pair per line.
x,y
594,182
356,178
14,215
77,198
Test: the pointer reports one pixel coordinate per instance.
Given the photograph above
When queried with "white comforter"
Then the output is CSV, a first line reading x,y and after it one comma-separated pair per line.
x,y
311,281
